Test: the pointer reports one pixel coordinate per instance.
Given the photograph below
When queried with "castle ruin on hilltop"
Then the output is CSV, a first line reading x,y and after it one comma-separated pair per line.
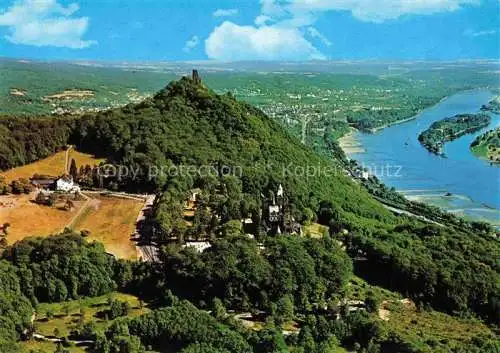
x,y
196,77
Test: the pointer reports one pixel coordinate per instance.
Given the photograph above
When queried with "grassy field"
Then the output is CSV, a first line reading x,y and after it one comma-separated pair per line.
x,y
28,218
426,329
66,315
111,221
70,315
54,165
46,347
359,290
315,230
431,329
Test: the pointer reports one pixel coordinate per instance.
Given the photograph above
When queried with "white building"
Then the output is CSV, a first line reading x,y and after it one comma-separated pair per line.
x,y
199,246
66,184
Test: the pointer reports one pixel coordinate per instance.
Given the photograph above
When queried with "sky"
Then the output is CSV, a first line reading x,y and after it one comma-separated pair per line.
x,y
223,30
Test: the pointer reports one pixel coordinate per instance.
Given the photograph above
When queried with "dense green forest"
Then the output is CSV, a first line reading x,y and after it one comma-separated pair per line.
x,y
452,267
24,140
450,129
190,296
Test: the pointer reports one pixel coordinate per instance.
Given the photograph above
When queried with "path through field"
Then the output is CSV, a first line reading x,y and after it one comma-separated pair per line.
x,y
66,165
89,202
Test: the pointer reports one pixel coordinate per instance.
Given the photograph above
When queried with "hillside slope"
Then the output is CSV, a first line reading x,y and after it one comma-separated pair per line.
x,y
187,129
187,124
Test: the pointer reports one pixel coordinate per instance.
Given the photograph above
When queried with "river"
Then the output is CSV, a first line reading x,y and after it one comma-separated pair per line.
x,y
459,183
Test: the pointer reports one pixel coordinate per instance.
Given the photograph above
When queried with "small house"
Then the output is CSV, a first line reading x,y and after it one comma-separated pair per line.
x,y
66,184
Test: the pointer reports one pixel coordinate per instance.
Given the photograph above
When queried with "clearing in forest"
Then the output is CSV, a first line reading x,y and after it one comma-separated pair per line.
x,y
111,221
27,218
54,165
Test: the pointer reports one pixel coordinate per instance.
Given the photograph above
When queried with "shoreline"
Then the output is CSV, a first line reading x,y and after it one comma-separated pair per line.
x,y
377,129
349,144
402,121
349,139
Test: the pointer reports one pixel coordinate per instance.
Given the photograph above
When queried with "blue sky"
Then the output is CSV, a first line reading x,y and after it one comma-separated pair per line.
x,y
153,30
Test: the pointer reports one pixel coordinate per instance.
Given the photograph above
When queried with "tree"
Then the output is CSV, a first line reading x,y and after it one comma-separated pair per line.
x,y
5,228
41,198
306,340
52,199
60,348
271,340
118,308
372,303
68,206
231,228
73,170
218,309
284,309
49,314
88,331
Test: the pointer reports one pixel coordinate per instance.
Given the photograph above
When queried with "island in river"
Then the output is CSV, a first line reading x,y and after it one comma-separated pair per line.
x,y
487,146
449,129
493,106
426,177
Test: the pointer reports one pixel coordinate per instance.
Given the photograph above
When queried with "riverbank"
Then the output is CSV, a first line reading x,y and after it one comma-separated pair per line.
x,y
350,144
402,121
377,129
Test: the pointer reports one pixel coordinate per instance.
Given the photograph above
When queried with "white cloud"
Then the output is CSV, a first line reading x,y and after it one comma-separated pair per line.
x,y
262,20
225,12
279,30
314,33
45,23
483,33
191,44
377,10
232,42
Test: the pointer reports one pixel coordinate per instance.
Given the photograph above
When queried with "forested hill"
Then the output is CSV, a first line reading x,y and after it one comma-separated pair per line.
x,y
186,126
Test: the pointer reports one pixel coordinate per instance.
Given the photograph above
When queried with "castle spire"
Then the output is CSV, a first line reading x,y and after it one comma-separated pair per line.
x,y
196,77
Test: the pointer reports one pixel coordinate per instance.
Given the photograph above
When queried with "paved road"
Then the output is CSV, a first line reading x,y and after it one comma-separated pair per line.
x,y
145,252
59,340
400,211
